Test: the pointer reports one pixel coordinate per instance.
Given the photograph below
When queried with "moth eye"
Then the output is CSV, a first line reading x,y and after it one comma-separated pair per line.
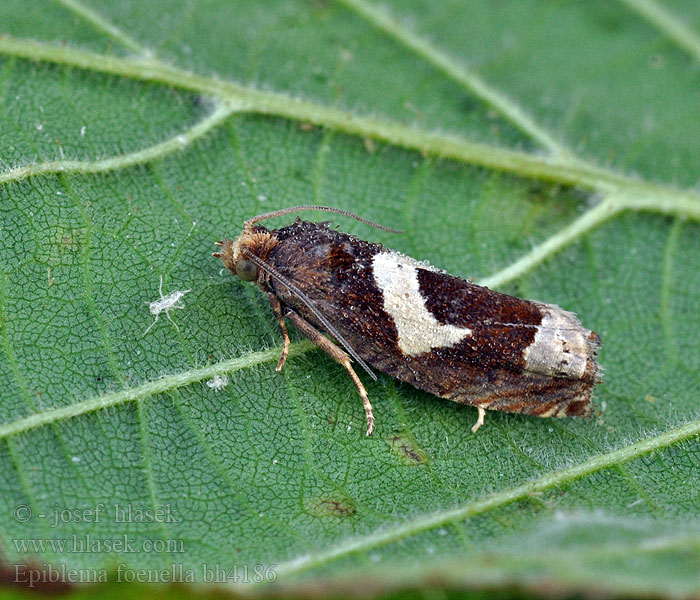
x,y
246,270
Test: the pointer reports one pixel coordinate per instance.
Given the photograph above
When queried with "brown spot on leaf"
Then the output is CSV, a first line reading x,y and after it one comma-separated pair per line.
x,y
407,450
331,507
60,246
69,242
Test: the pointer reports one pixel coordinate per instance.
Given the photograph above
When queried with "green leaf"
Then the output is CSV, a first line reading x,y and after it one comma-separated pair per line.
x,y
547,149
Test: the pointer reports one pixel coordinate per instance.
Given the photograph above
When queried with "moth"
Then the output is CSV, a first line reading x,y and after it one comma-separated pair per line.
x,y
408,319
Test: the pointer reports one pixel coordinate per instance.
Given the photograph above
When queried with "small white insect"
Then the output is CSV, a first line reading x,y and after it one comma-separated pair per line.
x,y
165,304
218,382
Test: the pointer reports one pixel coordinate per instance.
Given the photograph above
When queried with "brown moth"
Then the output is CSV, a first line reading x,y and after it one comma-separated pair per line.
x,y
440,333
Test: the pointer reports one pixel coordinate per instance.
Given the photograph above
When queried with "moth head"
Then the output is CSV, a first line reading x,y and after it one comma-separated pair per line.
x,y
235,254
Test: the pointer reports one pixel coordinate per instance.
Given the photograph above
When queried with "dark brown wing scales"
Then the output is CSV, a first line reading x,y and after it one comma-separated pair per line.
x,y
335,270
503,326
518,355
523,356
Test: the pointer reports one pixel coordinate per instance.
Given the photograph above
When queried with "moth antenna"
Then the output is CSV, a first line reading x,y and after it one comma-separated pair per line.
x,y
306,300
340,211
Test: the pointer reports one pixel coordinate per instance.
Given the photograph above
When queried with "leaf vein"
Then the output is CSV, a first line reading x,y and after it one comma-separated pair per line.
x,y
671,26
589,220
223,474
32,499
666,311
559,169
319,168
148,470
151,388
222,111
469,80
431,521
7,346
105,26
89,291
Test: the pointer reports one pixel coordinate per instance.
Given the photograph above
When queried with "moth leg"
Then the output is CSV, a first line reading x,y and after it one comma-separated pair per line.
x,y
336,354
480,420
277,309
